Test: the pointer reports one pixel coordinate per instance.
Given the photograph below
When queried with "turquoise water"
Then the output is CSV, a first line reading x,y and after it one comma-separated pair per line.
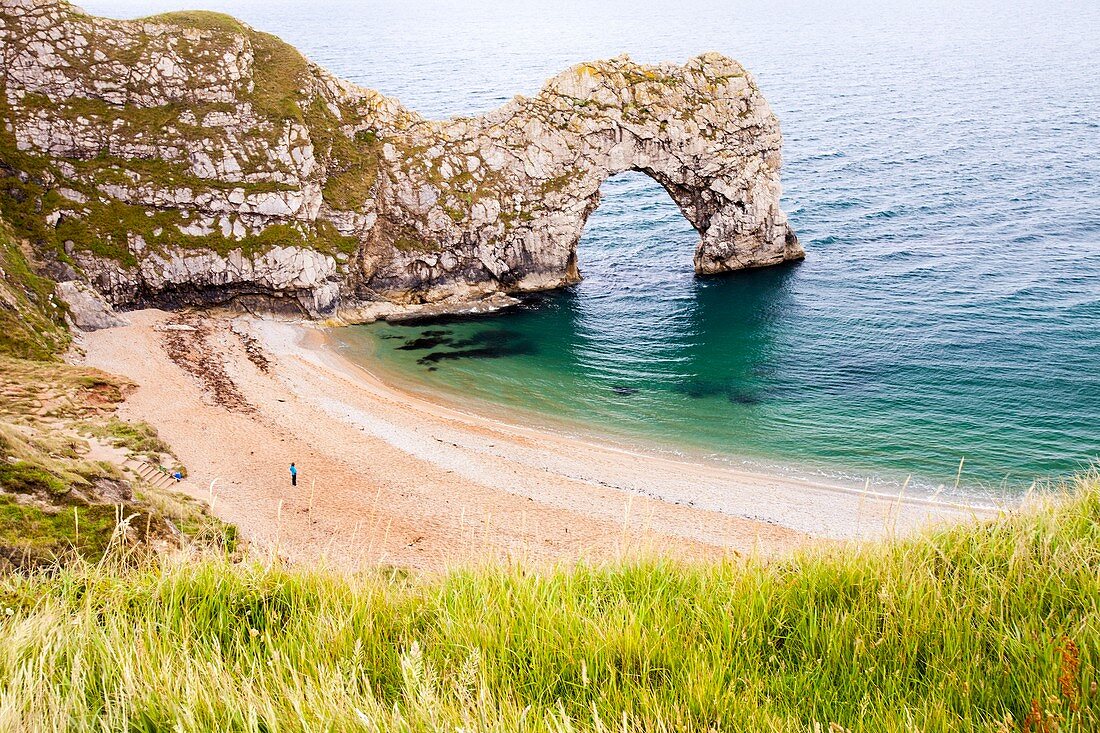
x,y
898,372
942,168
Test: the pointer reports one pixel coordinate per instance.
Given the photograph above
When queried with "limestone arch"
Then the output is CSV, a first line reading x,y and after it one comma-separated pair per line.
x,y
736,232
505,196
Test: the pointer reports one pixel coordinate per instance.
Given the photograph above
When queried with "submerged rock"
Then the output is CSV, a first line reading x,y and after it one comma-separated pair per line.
x,y
744,398
187,158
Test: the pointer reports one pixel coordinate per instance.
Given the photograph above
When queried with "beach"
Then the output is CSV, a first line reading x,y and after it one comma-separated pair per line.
x,y
388,478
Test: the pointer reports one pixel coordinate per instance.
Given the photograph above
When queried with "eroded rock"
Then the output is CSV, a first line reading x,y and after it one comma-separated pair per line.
x,y
189,158
88,311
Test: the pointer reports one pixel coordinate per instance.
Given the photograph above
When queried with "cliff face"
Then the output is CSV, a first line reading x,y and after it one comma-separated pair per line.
x,y
187,158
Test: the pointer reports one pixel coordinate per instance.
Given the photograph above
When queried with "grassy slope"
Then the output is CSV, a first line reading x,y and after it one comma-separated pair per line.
x,y
32,324
990,629
52,501
33,463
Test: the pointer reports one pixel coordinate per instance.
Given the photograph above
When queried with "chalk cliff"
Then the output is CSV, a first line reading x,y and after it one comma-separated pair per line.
x,y
188,158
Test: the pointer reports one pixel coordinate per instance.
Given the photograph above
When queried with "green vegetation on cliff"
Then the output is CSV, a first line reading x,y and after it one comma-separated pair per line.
x,y
988,628
281,72
121,177
32,323
204,20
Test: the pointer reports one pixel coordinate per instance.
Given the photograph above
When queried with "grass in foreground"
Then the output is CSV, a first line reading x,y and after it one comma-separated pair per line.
x,y
991,628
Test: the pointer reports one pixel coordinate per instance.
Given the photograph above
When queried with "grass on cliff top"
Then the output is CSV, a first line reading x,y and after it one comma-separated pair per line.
x,y
988,628
280,71
206,20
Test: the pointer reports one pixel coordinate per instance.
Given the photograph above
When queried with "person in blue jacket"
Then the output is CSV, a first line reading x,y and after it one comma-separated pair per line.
x,y
293,475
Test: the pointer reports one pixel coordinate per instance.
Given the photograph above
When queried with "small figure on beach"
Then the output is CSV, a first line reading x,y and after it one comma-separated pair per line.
x,y
177,476
293,475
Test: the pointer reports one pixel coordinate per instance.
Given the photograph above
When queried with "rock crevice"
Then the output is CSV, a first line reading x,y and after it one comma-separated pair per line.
x,y
190,158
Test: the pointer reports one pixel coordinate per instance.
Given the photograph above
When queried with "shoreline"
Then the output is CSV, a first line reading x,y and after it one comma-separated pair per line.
x,y
389,477
565,429
881,480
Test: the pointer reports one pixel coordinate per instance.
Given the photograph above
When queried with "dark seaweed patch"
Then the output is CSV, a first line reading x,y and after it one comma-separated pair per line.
x,y
764,370
482,353
701,388
424,343
492,344
495,337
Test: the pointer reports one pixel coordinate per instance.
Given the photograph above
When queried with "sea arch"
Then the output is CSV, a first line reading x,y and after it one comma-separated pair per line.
x,y
507,195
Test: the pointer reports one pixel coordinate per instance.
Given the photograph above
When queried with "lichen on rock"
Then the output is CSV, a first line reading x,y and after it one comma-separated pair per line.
x,y
189,158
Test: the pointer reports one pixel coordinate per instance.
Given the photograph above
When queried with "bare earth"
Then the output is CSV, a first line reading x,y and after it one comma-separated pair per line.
x,y
386,477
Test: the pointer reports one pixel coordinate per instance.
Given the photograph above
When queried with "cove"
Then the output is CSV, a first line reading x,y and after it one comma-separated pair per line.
x,y
825,368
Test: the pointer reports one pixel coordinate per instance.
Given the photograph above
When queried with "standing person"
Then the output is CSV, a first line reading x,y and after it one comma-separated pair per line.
x,y
293,475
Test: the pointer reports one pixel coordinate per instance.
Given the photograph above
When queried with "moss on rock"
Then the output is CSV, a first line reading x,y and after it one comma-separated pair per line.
x,y
32,322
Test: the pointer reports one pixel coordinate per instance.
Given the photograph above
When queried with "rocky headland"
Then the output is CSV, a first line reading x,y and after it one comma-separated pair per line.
x,y
187,158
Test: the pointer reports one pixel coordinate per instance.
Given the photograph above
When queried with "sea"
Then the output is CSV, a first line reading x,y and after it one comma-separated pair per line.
x,y
941,168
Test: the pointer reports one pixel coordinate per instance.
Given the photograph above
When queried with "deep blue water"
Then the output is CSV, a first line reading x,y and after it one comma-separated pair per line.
x,y
942,168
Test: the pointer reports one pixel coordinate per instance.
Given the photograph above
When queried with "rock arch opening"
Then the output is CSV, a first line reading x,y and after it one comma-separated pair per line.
x,y
636,232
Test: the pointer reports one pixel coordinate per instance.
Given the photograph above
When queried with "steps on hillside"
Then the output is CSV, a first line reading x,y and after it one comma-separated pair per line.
x,y
156,475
